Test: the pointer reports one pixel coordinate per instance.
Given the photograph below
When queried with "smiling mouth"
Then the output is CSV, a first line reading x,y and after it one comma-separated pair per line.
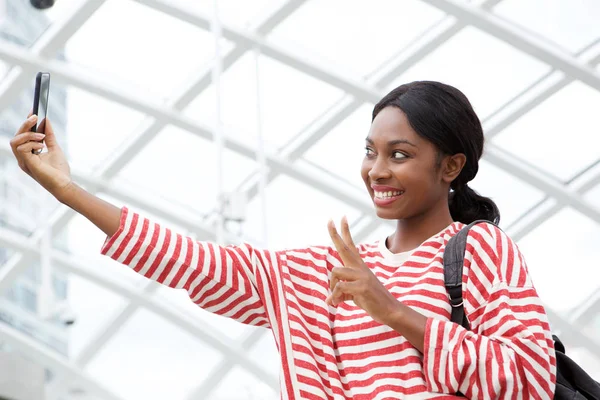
x,y
387,195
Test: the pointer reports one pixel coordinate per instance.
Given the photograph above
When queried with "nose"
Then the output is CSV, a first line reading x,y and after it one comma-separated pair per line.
x,y
379,169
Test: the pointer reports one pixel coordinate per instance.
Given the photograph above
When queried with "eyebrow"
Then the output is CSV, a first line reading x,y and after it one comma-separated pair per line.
x,y
394,142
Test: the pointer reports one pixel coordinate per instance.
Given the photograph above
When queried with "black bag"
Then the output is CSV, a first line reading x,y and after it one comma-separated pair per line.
x,y
572,382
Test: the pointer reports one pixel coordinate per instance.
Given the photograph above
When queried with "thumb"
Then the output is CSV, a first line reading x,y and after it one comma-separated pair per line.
x,y
50,139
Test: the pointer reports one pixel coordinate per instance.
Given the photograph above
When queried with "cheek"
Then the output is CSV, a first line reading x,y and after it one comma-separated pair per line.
x,y
417,179
364,170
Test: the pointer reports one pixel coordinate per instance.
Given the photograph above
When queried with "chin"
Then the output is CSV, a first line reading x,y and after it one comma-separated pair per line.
x,y
386,213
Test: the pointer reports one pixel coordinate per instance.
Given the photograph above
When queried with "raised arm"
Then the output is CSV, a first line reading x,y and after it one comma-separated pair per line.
x,y
231,281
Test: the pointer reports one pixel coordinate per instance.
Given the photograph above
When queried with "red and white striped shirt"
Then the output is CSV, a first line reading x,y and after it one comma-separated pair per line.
x,y
340,352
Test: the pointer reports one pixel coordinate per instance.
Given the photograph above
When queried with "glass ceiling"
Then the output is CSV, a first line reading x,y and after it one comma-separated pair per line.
x,y
136,103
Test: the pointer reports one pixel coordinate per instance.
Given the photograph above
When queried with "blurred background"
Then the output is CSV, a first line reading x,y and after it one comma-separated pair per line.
x,y
234,121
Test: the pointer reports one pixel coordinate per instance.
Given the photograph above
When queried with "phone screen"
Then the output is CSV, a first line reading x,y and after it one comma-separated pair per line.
x,y
42,111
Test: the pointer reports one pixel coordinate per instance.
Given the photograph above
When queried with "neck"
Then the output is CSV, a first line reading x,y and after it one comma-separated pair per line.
x,y
412,232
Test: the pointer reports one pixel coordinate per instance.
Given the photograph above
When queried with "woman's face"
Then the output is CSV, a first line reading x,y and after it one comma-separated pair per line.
x,y
401,169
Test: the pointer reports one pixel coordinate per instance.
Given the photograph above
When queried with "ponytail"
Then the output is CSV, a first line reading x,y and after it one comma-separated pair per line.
x,y
466,206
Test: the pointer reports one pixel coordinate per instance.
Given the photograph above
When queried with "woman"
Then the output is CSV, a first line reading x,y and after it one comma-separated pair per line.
x,y
366,322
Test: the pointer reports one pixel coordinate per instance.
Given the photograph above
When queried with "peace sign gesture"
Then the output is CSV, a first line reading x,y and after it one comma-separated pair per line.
x,y
355,281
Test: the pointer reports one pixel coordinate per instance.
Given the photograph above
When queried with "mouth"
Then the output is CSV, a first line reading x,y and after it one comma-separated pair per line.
x,y
384,198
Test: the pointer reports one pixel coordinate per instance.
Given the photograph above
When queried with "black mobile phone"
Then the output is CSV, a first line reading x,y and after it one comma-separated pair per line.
x,y
40,102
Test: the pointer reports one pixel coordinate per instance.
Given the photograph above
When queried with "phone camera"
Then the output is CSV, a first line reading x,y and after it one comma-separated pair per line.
x,y
42,4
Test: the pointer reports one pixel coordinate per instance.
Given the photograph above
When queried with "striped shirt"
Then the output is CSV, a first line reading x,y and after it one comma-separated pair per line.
x,y
341,352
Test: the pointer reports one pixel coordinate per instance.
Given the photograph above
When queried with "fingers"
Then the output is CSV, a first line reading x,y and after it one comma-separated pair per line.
x,y
346,233
24,138
347,251
344,280
26,148
339,244
337,240
342,292
27,125
51,141
342,274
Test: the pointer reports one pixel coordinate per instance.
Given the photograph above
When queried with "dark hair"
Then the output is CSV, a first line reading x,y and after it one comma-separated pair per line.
x,y
443,115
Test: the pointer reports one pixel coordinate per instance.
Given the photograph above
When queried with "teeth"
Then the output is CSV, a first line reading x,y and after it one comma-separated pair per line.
x,y
387,195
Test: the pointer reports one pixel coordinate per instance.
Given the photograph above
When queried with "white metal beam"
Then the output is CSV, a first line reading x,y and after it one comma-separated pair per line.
x,y
472,15
434,37
162,209
535,178
87,81
372,225
72,264
569,333
251,40
586,311
34,350
16,264
520,230
47,45
210,382
102,336
150,127
492,126
56,389
519,38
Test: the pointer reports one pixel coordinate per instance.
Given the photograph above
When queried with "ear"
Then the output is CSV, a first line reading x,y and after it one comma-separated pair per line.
x,y
451,166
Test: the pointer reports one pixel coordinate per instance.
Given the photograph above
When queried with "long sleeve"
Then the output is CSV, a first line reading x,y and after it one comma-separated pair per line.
x,y
509,352
230,281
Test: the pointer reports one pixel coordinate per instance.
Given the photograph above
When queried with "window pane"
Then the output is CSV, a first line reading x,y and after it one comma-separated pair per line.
x,y
144,60
549,251
161,360
570,24
551,135
487,70
329,31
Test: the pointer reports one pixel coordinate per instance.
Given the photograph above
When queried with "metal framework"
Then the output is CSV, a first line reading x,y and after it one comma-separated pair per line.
x,y
54,362
357,91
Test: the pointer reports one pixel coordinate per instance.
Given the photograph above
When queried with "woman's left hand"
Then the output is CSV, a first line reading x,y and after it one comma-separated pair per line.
x,y
355,281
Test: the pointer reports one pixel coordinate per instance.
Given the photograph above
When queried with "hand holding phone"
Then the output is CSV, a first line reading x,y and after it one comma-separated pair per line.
x,y
40,102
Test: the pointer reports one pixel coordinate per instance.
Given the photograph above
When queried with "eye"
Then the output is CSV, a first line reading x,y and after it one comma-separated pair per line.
x,y
369,151
397,155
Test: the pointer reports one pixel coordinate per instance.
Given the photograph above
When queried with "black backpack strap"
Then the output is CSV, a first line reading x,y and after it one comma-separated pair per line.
x,y
454,256
572,382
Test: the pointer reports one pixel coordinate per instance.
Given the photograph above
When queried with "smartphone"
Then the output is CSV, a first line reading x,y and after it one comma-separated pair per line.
x,y
40,102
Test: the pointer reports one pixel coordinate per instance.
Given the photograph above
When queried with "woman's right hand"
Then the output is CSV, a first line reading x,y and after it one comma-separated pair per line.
x,y
50,169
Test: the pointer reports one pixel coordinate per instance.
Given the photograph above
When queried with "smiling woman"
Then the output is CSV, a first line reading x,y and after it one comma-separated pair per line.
x,y
370,321
424,134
